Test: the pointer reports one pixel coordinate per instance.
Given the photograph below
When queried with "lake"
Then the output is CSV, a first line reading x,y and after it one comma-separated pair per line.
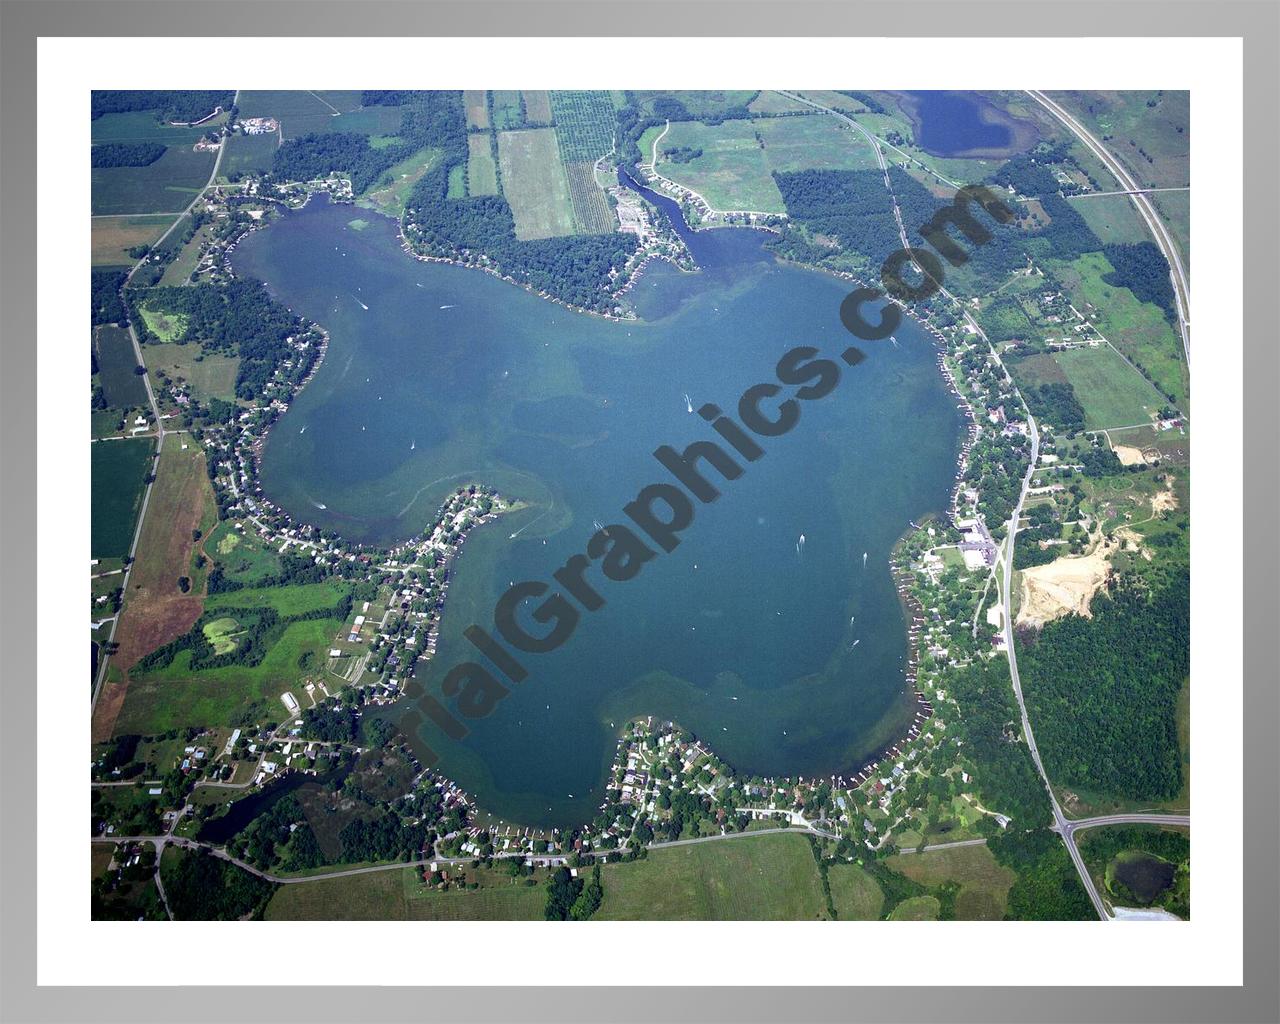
x,y
953,124
786,657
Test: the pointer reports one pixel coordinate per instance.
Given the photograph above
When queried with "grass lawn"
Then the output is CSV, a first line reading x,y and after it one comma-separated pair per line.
x,y
287,601
243,556
984,884
482,171
119,469
534,182
731,174
1112,392
113,237
168,185
165,326
815,141
855,894
763,878
117,361
211,374
916,908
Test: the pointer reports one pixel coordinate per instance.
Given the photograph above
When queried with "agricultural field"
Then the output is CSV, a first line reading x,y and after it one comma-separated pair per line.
x,y
1112,218
113,237
119,470
168,185
854,893
699,103
917,908
731,173
210,374
180,270
762,878
391,199
770,102
156,610
507,112
1137,329
477,103
984,884
247,154
584,130
817,141
534,183
537,107
1112,392
143,126
482,169
177,696
123,388
299,111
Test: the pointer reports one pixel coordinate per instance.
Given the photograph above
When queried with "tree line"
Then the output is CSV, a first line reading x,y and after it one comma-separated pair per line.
x,y
126,154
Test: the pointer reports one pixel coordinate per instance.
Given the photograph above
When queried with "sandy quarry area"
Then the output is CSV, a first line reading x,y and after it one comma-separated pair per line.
x,y
1061,587
1128,455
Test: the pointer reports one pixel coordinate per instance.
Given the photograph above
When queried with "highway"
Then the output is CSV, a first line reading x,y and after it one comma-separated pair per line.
x,y
1177,272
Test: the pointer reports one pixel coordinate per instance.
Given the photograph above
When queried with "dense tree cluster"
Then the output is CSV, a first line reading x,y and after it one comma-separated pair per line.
x,y
852,207
185,105
1104,691
202,887
1142,269
126,154
1056,403
1048,887
104,296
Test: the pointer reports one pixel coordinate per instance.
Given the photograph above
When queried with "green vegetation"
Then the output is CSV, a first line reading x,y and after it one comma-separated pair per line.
x,y
767,878
211,375
1113,394
983,882
202,887
1048,888
247,154
115,238
854,893
116,364
916,908
1103,692
816,141
482,169
731,173
168,184
182,105
1141,866
125,154
534,183
164,326
285,601
120,470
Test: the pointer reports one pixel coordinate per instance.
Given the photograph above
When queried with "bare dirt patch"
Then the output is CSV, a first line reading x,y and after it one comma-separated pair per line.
x,y
1129,456
1164,501
1064,586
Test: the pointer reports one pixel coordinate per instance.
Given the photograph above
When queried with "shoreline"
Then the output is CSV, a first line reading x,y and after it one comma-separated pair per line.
x,y
913,613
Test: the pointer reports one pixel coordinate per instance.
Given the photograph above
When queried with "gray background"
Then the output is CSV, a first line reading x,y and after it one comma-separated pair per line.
x,y
1257,22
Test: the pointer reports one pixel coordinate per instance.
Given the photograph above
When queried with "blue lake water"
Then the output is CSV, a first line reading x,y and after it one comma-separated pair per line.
x,y
952,123
786,658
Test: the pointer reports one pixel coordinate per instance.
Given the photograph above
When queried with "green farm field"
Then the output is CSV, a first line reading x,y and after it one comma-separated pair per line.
x,y
391,199
299,111
1138,329
123,388
482,170
1112,392
287,601
984,884
477,103
854,893
144,126
166,186
112,237
248,154
1112,218
506,109
537,107
731,174
916,908
119,469
534,183
816,141
761,878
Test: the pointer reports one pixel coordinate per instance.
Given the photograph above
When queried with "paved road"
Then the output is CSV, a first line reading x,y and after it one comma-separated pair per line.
x,y
155,412
1141,818
1177,272
945,846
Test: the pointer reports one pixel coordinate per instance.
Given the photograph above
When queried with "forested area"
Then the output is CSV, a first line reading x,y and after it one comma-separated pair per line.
x,y
184,105
1056,404
104,296
126,154
202,887
1142,269
1048,887
852,207
988,725
1104,691
237,316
